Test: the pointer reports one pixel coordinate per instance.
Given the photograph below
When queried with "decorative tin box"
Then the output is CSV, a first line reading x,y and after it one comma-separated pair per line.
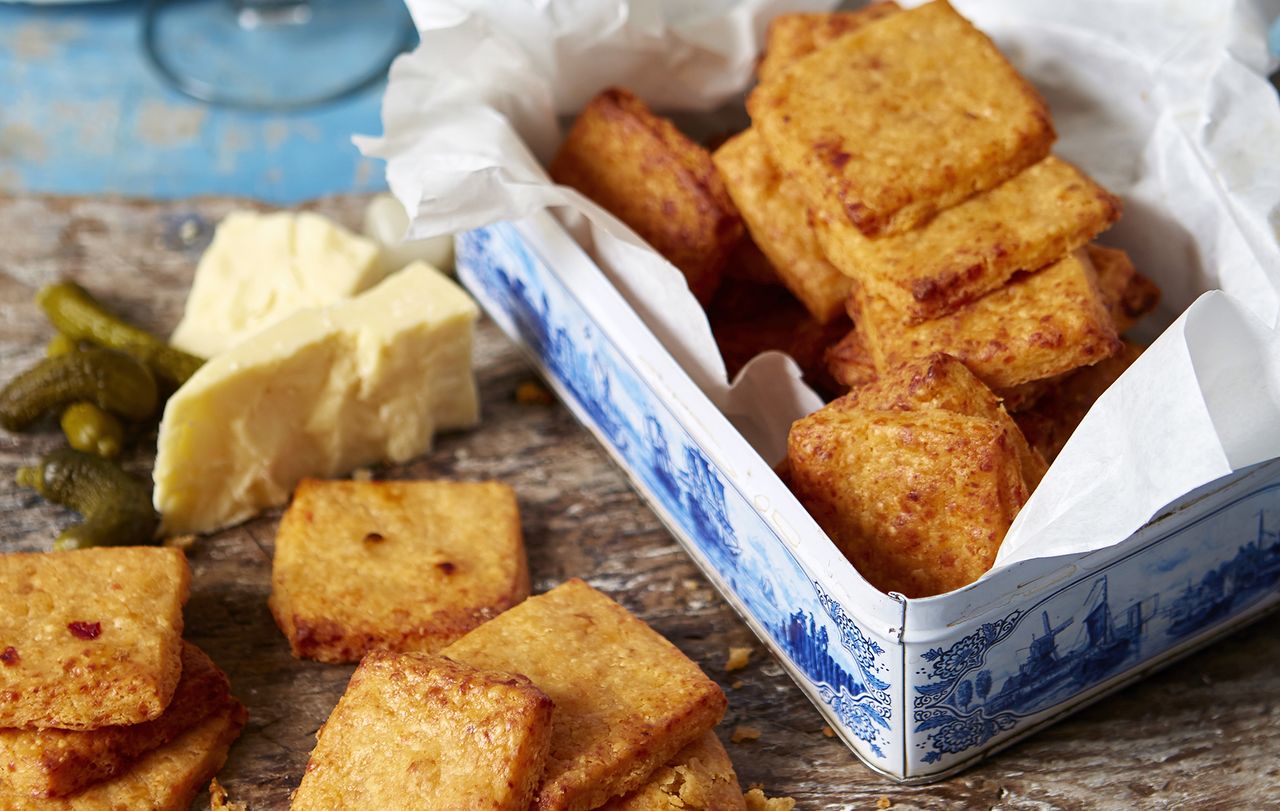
x,y
920,688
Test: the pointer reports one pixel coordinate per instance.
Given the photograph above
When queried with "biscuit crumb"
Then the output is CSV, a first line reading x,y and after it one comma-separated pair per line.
x,y
362,474
828,732
737,684
218,799
183,542
738,658
532,392
743,732
756,801
883,802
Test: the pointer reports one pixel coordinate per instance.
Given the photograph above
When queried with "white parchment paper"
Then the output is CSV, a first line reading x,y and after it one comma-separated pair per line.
x,y
1163,101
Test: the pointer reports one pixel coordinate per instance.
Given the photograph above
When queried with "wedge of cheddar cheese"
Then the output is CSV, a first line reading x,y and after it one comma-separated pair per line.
x,y
262,268
325,391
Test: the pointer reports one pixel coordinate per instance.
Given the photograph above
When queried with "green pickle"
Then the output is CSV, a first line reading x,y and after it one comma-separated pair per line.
x,y
60,345
110,380
115,505
92,430
80,317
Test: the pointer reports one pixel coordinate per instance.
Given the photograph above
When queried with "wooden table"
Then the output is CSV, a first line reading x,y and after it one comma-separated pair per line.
x,y
1204,734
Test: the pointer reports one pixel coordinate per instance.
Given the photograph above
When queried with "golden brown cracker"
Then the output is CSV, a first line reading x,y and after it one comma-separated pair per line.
x,y
940,382
919,501
777,217
793,36
396,565
652,177
90,638
58,762
977,246
899,120
165,779
627,700
699,778
424,727
1038,326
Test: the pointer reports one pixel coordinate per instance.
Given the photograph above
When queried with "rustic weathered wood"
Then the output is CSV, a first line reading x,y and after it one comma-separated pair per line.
x,y
1204,734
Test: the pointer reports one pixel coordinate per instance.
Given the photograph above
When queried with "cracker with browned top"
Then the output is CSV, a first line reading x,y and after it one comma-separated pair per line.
x,y
919,501
165,779
627,700
90,638
699,778
652,177
975,247
422,731
777,216
894,122
397,565
58,762
794,36
1038,326
942,383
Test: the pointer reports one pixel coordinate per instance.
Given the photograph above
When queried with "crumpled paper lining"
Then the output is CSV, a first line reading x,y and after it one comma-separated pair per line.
x,y
1176,118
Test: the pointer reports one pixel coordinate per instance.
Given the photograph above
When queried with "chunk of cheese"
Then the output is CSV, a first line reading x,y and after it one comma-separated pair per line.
x,y
323,392
386,222
262,268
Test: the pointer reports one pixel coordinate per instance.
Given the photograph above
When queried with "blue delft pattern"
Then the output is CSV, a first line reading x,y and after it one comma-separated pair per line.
x,y
535,307
1170,592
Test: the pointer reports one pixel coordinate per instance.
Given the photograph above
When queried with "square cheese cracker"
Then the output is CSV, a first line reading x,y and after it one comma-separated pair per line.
x,y
778,218
627,700
397,565
165,779
655,179
919,501
1038,326
900,119
942,383
973,248
58,762
421,731
793,36
699,778
90,638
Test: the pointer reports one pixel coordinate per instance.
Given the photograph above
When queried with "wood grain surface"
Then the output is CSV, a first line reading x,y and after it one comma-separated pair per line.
x,y
1203,734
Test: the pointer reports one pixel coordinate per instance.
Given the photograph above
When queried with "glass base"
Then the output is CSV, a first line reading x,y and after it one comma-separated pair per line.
x,y
274,54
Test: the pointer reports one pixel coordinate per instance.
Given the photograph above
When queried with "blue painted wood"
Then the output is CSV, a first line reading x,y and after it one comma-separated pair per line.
x,y
82,112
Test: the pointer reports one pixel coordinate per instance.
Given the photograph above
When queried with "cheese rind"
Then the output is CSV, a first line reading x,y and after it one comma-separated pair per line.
x,y
262,268
323,392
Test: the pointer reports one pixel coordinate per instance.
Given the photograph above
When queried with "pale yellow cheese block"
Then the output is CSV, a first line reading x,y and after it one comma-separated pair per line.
x,y
323,392
262,268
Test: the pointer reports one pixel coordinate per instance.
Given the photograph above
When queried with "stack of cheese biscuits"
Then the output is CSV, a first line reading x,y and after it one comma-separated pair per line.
x,y
900,207
564,702
493,699
102,704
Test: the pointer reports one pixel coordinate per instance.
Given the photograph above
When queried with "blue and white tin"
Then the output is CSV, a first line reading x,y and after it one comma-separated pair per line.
x,y
917,688
1163,103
